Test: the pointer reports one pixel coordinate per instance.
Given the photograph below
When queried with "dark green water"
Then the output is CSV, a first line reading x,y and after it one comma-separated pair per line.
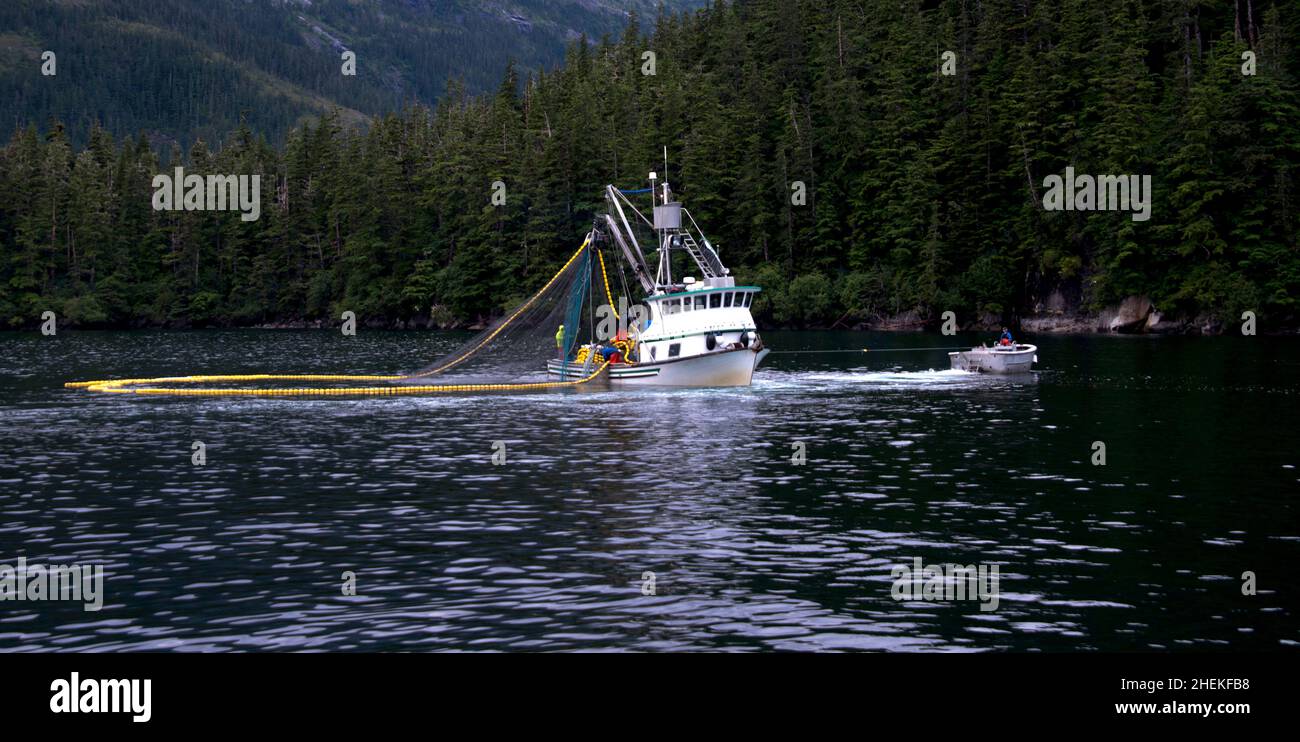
x,y
750,551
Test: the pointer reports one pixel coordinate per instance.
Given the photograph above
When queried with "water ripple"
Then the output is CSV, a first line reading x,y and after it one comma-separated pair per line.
x,y
702,490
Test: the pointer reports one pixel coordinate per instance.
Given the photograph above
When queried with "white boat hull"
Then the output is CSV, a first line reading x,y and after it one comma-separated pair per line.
x,y
720,368
995,360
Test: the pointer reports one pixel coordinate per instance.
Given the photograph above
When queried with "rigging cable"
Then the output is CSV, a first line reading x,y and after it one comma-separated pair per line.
x,y
871,350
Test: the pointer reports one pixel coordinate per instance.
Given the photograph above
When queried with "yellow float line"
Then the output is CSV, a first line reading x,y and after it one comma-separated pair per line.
x,y
608,296
127,386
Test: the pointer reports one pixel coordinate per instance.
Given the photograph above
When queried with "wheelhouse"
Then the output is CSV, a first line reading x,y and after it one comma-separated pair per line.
x,y
729,297
700,319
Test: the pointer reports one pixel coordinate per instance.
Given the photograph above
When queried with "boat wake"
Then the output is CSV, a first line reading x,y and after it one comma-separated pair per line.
x,y
929,378
899,378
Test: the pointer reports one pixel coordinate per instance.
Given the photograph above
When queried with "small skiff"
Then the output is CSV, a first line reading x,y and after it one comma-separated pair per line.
x,y
1000,359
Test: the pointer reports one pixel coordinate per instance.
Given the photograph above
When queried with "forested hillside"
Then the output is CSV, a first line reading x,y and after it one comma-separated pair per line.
x,y
184,69
924,190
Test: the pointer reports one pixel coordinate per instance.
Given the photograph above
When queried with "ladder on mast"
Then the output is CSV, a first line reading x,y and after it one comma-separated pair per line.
x,y
706,258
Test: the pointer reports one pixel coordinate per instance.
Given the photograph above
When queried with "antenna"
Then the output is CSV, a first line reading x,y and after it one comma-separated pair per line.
x,y
666,174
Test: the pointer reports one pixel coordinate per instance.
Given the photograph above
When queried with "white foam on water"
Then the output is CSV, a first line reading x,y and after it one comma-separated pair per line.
x,y
902,378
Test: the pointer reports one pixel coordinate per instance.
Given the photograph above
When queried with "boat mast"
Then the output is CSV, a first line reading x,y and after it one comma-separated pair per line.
x,y
671,226
664,276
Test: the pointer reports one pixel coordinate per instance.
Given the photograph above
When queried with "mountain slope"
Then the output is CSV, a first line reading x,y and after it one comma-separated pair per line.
x,y
184,69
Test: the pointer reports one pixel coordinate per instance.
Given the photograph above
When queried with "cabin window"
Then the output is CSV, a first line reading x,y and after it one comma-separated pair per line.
x,y
674,306
749,298
699,302
674,350
653,351
715,301
726,299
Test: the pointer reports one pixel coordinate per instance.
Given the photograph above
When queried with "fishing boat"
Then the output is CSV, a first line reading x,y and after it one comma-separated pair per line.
x,y
696,330
1015,358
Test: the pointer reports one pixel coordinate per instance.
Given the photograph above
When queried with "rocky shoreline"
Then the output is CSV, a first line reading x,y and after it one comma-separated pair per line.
x,y
1136,315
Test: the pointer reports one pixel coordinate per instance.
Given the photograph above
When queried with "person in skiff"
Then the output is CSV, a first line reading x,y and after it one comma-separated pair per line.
x,y
1006,338
559,342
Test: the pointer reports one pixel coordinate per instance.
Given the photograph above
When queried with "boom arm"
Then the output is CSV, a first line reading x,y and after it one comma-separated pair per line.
x,y
633,258
626,240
